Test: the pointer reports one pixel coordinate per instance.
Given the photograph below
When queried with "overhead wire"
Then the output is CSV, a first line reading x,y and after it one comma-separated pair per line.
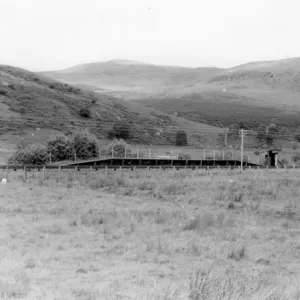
x,y
108,125
175,127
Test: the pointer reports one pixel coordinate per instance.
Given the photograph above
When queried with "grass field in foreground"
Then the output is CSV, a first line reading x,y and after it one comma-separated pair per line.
x,y
161,235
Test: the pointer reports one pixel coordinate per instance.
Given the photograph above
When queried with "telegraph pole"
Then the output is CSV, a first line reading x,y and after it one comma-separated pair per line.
x,y
242,133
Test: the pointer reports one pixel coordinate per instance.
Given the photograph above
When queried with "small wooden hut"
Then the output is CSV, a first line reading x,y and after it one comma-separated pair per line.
x,y
271,158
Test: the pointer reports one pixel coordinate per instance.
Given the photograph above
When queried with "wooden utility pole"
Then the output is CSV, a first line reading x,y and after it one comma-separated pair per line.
x,y
242,133
121,172
225,137
59,172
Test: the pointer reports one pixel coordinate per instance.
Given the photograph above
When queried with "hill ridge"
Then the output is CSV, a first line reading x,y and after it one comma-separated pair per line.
x,y
29,101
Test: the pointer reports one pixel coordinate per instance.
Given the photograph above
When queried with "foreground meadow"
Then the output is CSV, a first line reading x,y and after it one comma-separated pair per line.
x,y
150,235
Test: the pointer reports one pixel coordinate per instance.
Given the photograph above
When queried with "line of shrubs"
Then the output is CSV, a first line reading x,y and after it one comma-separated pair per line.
x,y
65,148
79,145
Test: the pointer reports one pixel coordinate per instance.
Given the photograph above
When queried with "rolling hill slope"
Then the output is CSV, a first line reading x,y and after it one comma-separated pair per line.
x,y
278,75
31,102
254,93
132,79
272,83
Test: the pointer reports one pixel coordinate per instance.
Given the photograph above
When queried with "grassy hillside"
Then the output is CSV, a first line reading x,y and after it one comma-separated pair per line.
x,y
253,94
271,82
256,92
279,74
132,79
223,109
32,103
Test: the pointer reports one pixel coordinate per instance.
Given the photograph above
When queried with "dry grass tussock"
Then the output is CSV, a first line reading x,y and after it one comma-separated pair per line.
x,y
152,235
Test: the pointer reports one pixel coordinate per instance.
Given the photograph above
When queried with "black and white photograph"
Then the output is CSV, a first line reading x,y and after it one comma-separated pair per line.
x,y
150,149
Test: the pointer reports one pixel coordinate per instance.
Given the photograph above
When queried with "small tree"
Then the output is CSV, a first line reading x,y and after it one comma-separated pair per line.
x,y
181,138
85,112
118,148
121,130
111,134
273,130
84,145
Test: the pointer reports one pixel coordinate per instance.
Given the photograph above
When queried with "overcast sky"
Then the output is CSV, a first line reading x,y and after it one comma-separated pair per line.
x,y
56,34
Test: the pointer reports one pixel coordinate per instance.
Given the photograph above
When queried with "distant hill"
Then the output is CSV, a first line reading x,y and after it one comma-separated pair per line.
x,y
269,82
280,74
132,79
34,103
255,93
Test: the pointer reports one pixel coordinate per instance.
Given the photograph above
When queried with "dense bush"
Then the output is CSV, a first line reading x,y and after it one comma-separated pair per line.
x,y
181,138
84,145
61,148
31,155
84,112
117,148
12,86
120,130
111,134
3,92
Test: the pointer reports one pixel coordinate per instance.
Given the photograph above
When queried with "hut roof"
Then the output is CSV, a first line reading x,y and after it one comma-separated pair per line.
x,y
274,150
